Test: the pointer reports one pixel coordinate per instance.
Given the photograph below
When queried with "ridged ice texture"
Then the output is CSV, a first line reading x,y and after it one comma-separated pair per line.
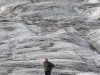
x,y
67,32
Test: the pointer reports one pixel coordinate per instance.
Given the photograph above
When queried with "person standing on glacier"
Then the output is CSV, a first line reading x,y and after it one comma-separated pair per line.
x,y
48,66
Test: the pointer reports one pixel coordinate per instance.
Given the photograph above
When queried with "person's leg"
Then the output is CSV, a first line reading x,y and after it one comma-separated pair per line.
x,y
49,72
46,72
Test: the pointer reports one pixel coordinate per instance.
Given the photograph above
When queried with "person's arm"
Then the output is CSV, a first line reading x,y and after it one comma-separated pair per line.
x,y
52,64
43,63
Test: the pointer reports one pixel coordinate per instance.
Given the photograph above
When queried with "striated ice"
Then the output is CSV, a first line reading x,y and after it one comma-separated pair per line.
x,y
67,32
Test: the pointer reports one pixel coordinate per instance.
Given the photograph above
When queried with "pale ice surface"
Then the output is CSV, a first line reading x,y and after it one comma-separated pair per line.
x,y
93,1
87,73
93,13
67,32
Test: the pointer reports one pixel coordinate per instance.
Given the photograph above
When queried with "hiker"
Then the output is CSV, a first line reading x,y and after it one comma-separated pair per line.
x,y
48,66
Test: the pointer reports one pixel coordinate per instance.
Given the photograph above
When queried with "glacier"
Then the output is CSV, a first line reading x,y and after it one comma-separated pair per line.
x,y
67,32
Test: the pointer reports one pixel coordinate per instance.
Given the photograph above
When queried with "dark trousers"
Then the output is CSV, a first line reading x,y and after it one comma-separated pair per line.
x,y
47,72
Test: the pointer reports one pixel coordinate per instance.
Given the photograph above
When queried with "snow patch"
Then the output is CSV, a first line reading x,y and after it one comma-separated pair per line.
x,y
91,1
93,37
89,73
93,13
2,9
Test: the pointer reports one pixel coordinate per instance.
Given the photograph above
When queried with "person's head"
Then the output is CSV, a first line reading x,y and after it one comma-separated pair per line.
x,y
46,60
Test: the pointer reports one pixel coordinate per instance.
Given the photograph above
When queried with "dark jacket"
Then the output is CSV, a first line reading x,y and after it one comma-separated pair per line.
x,y
48,66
